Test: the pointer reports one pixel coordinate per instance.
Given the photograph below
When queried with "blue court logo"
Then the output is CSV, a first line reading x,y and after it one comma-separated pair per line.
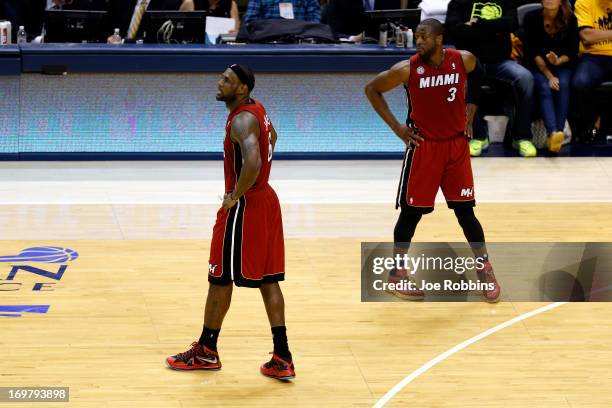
x,y
49,254
19,263
15,311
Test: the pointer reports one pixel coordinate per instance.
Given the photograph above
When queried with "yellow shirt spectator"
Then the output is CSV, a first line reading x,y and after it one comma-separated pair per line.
x,y
595,14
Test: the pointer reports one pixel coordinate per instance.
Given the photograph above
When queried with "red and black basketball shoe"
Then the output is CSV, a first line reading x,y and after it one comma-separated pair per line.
x,y
197,357
486,275
399,277
278,368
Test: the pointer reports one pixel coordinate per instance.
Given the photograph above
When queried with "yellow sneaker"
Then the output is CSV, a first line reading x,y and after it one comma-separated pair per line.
x,y
525,148
555,141
477,146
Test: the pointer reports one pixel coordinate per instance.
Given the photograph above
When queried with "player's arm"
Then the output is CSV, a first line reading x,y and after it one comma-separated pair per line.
x,y
385,81
475,75
245,132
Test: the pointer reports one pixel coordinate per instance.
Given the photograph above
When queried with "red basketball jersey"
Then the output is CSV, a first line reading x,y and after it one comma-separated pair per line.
x,y
232,156
437,96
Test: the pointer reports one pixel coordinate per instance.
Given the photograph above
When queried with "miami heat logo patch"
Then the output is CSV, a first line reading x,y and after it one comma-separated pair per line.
x,y
420,70
214,270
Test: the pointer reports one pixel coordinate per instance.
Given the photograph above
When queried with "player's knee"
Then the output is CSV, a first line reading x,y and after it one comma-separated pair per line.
x,y
465,214
467,219
405,227
220,287
271,289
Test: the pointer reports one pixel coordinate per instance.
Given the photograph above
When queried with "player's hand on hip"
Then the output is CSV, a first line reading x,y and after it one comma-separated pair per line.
x,y
409,135
228,201
469,129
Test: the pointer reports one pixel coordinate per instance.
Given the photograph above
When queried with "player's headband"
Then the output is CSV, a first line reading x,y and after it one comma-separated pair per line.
x,y
244,74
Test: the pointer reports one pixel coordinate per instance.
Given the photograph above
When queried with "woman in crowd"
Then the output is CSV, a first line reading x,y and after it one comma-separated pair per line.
x,y
551,51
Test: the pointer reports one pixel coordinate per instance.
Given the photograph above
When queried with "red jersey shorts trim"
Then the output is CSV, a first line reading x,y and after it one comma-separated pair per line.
x,y
437,164
248,245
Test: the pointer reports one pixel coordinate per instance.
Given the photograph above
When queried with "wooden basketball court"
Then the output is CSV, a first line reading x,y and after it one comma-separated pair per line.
x,y
136,292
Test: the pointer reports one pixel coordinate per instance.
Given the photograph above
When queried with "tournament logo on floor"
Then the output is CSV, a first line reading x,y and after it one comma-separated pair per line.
x,y
19,264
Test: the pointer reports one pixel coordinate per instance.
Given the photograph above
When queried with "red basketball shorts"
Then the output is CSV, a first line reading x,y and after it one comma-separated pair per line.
x,y
436,164
247,246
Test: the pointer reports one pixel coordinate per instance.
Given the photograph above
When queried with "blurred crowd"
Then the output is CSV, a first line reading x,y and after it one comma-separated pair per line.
x,y
552,54
31,13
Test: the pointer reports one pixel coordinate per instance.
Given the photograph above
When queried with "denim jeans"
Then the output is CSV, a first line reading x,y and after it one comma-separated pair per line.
x,y
521,80
554,105
592,70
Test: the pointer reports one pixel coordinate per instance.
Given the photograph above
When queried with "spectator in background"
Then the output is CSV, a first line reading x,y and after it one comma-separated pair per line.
x,y
77,4
215,8
27,13
434,9
595,66
348,17
120,12
551,50
306,10
484,29
345,17
57,4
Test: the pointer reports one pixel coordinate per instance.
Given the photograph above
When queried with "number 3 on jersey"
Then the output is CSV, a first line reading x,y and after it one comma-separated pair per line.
x,y
452,94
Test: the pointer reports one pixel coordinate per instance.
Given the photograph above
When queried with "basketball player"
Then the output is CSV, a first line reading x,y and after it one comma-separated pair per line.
x,y
247,247
436,135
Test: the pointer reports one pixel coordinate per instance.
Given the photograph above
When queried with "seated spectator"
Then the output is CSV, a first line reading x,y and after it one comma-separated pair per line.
x,y
434,9
27,13
121,13
215,8
345,17
348,18
77,4
484,29
307,10
551,50
595,65
57,4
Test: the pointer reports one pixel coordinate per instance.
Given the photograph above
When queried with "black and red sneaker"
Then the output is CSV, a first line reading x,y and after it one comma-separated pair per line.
x,y
278,368
400,281
486,275
197,357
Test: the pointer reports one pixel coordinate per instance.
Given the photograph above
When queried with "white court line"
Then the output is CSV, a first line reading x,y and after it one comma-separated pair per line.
x,y
431,363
